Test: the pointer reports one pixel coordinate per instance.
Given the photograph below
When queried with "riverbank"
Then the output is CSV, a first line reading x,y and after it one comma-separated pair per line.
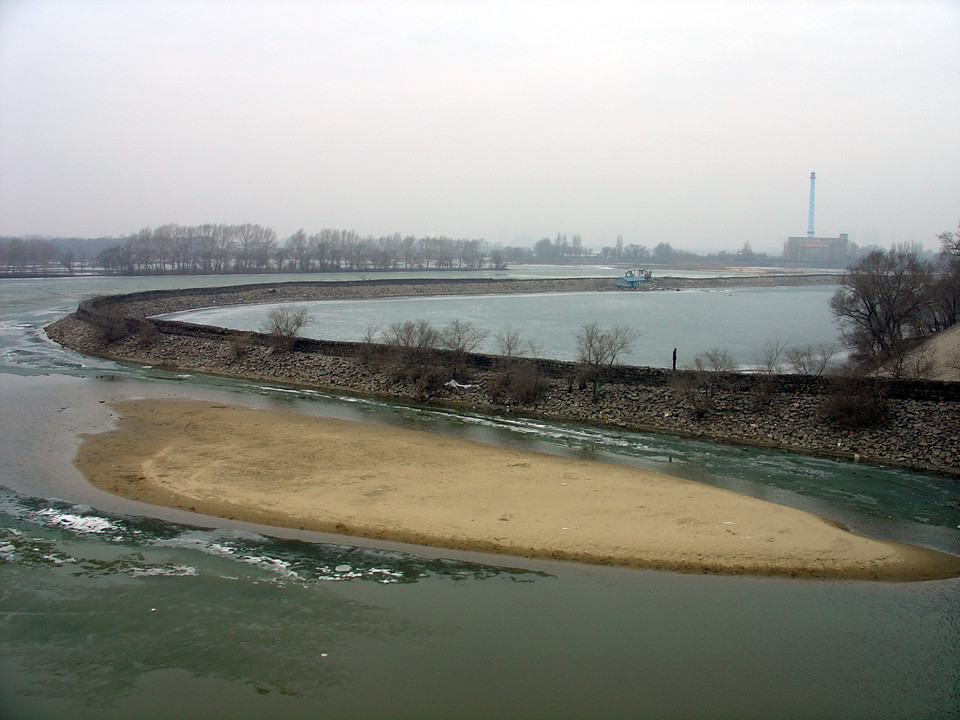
x,y
939,356
913,424
409,486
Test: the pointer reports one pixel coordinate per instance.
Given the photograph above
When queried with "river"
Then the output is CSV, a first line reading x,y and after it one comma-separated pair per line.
x,y
115,609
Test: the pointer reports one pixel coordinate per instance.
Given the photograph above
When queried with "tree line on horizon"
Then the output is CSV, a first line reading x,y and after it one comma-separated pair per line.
x,y
216,248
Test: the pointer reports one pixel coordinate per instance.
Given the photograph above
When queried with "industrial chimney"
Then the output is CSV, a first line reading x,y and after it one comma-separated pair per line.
x,y
813,182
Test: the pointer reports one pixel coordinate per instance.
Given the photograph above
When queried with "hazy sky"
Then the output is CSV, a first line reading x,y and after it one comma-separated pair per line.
x,y
693,123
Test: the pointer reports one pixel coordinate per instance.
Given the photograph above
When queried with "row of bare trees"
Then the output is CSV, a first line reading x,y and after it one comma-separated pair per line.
x,y
42,256
774,358
250,248
210,248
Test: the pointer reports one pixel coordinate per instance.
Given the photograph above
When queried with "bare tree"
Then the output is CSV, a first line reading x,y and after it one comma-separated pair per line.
x,y
409,334
881,302
600,348
695,390
810,359
239,347
369,352
249,247
299,248
920,364
462,336
769,359
908,360
944,309
715,360
284,323
414,360
508,341
517,382
767,362
370,334
950,243
857,403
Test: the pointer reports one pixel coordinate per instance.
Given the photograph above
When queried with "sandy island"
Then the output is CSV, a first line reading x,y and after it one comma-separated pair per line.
x,y
411,486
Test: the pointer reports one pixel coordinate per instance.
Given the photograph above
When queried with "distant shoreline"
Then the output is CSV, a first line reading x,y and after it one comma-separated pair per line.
x,y
319,275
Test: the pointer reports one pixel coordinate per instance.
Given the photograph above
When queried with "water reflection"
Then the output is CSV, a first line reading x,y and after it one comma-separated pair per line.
x,y
93,601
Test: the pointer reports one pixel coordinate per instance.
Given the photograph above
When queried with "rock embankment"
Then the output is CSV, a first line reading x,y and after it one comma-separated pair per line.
x,y
907,423
159,302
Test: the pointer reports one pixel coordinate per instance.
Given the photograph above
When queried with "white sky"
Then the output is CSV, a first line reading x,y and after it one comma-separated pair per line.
x,y
693,123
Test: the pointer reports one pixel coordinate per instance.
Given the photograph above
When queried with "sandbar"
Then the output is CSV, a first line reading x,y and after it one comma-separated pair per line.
x,y
369,480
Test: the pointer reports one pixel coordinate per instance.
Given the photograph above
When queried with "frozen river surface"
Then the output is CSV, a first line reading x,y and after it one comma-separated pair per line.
x,y
740,320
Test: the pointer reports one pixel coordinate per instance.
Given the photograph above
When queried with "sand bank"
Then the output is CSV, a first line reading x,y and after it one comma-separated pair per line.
x,y
939,357
410,486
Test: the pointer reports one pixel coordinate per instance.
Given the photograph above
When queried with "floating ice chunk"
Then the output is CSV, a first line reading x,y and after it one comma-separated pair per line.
x,y
78,522
164,571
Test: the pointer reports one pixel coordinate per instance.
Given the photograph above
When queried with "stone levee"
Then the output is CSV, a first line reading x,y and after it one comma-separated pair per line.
x,y
916,423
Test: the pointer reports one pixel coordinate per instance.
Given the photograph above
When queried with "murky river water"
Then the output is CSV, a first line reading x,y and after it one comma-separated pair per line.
x,y
110,608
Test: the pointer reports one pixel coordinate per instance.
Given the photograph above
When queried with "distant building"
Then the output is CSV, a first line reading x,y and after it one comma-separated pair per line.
x,y
819,251
633,279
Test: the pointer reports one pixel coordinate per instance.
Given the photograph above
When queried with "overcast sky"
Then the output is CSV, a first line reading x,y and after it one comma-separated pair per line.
x,y
693,123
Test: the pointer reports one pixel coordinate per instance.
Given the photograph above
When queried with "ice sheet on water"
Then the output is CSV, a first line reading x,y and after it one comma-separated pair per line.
x,y
43,532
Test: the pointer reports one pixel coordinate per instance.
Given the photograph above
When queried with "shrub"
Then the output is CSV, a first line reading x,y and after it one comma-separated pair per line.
x,y
146,333
763,393
239,347
424,369
855,405
111,328
517,384
695,391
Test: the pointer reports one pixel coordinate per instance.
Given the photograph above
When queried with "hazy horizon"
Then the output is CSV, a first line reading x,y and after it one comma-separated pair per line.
x,y
689,122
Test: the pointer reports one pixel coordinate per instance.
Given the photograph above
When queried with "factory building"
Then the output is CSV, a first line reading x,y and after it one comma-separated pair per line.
x,y
818,251
832,252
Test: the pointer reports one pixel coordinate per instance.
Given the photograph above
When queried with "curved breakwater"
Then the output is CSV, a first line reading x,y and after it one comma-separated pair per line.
x,y
783,411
